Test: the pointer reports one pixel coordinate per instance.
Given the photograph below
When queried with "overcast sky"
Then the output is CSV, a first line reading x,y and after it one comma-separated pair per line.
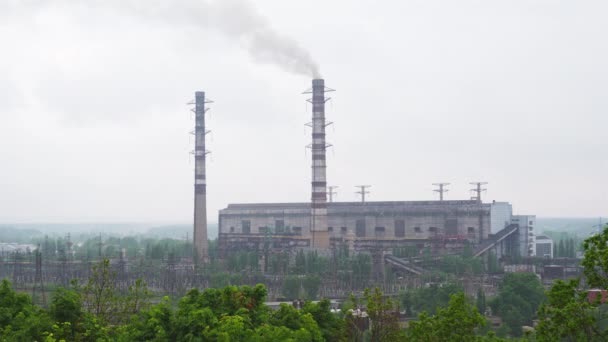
x,y
94,123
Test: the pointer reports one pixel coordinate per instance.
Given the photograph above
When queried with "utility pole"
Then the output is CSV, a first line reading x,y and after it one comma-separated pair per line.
x,y
478,189
599,226
100,245
441,190
331,192
362,191
38,283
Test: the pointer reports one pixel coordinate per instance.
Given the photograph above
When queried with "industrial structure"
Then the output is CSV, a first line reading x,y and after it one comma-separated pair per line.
x,y
376,227
438,225
200,180
318,147
544,247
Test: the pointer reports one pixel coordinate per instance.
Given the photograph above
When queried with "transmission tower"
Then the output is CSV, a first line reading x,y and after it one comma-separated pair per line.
x,y
331,192
441,190
600,226
478,190
100,246
363,191
38,285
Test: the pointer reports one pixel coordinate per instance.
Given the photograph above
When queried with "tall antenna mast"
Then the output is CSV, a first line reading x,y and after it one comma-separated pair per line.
x,y
441,190
478,190
363,191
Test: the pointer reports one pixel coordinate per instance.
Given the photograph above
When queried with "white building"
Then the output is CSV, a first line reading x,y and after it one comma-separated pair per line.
x,y
544,247
526,223
501,214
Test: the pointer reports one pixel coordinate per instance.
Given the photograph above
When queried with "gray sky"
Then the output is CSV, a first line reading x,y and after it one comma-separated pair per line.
x,y
94,126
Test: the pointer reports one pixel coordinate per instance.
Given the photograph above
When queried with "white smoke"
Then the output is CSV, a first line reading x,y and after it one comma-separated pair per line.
x,y
237,19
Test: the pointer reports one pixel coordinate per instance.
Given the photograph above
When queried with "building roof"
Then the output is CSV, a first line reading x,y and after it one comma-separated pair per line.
x,y
378,207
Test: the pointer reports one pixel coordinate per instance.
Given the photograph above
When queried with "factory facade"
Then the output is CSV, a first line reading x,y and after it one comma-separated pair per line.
x,y
371,225
376,220
366,226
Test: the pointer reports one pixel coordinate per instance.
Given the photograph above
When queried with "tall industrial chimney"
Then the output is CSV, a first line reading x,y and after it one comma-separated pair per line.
x,y
318,226
200,185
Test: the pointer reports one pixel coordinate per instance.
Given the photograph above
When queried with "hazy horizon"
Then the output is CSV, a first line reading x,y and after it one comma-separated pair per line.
x,y
94,123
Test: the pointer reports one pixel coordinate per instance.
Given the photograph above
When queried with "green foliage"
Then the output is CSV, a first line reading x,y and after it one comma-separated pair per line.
x,y
311,285
19,319
383,315
519,296
480,301
457,322
493,265
595,261
428,299
331,326
460,265
301,287
566,244
19,235
361,265
97,312
292,286
570,314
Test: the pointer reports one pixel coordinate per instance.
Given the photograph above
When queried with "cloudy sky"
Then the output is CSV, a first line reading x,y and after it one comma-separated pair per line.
x,y
94,123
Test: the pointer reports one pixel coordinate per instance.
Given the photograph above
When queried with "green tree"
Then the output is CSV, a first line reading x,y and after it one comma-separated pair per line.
x,y
331,325
383,315
99,294
493,265
429,299
66,310
519,296
561,250
480,301
569,313
153,324
19,319
292,286
555,251
311,285
458,322
595,260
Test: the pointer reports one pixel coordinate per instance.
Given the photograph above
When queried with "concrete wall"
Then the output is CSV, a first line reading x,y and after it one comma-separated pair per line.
x,y
526,224
421,220
501,213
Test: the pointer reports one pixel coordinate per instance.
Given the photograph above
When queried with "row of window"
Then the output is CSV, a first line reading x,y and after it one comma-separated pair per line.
x,y
279,228
360,229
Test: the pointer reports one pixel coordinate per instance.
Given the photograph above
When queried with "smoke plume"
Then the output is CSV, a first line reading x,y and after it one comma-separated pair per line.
x,y
237,19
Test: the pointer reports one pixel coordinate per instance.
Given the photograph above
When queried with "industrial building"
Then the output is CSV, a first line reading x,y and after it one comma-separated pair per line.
x,y
371,226
544,246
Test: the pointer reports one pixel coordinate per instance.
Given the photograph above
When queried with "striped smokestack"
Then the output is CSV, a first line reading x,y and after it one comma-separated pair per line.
x,y
320,234
200,184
